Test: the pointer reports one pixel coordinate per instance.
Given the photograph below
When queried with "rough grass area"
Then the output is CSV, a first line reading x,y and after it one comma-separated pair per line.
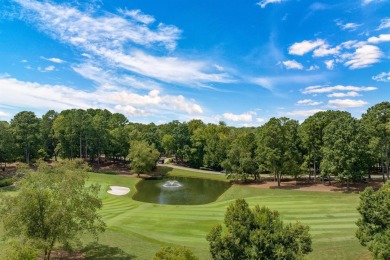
x,y
137,230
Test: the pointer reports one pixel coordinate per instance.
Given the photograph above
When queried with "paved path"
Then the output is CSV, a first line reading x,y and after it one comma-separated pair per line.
x,y
189,169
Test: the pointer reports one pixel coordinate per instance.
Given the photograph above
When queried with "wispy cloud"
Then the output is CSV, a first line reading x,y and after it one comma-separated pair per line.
x,y
341,94
55,60
385,23
271,82
346,103
32,95
264,3
303,113
363,57
384,77
329,89
123,40
292,64
348,26
308,102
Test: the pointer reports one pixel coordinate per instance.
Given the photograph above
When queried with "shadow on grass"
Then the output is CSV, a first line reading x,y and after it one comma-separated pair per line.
x,y
8,188
105,252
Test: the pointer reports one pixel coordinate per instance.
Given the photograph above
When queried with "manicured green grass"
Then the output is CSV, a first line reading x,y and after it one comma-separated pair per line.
x,y
138,230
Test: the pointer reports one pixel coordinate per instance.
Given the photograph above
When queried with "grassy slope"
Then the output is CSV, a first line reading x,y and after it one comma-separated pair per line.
x,y
139,229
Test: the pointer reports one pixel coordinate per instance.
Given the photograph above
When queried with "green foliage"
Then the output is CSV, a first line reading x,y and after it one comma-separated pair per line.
x,y
345,149
143,157
7,143
26,131
175,253
257,234
278,147
5,182
240,162
53,206
374,224
21,250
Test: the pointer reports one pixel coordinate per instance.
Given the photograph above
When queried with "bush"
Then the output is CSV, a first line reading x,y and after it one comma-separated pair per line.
x,y
175,253
6,182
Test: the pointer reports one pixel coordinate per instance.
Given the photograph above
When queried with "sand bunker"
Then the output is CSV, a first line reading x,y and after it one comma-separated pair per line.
x,y
118,190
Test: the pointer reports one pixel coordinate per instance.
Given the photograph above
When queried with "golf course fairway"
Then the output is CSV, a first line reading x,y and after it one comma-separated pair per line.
x,y
136,230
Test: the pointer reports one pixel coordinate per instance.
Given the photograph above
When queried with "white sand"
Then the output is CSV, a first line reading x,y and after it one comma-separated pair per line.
x,y
118,190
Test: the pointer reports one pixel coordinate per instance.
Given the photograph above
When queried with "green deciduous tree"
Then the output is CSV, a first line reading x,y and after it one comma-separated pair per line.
x,y
375,123
175,253
345,149
374,223
278,147
257,234
7,144
26,130
53,206
143,157
240,162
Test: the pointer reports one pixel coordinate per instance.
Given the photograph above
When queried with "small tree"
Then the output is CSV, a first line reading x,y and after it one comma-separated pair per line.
x,y
257,234
143,157
374,224
175,253
53,206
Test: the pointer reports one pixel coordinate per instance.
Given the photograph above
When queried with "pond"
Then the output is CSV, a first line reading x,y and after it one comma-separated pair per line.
x,y
180,191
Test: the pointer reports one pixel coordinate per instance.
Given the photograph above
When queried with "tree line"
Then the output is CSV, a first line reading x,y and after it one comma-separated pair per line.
x,y
328,143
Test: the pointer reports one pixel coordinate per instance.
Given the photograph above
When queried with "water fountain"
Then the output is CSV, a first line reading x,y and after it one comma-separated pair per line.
x,y
172,184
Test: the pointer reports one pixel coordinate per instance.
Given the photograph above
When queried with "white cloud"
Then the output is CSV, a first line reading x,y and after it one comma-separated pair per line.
x,y
4,114
313,67
308,102
46,69
55,60
24,61
301,48
363,57
130,110
366,2
246,117
345,103
329,89
348,26
324,50
118,38
260,120
105,77
32,95
329,64
384,77
264,3
270,82
292,64
138,16
50,68
380,39
385,23
341,94
303,113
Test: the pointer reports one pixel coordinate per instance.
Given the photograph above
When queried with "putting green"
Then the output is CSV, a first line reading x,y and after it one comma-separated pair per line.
x,y
136,229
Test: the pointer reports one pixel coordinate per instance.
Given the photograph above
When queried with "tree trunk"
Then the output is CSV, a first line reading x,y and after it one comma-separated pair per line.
x,y
315,168
382,164
387,157
80,143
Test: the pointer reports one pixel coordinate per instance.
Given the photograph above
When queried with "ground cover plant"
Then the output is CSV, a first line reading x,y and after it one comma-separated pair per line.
x,y
137,230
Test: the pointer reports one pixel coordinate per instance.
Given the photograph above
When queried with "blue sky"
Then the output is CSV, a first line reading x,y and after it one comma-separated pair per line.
x,y
242,62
